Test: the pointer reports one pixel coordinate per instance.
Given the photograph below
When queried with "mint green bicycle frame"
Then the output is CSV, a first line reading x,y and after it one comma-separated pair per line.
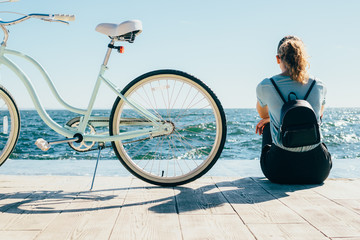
x,y
158,127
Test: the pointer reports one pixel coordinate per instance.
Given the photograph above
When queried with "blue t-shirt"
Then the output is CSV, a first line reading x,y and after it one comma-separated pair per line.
x,y
268,96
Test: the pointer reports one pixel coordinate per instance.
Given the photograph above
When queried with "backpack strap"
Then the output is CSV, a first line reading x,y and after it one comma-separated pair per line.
x,y
310,88
277,89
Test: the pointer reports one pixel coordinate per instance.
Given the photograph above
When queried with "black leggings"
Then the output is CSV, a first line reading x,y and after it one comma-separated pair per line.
x,y
281,166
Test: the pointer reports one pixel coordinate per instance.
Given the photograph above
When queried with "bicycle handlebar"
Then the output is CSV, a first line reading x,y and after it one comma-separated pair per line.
x,y
45,17
63,17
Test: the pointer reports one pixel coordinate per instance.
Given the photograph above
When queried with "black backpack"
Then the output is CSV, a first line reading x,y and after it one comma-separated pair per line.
x,y
298,123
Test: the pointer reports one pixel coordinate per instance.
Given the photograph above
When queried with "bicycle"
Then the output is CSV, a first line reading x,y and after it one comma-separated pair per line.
x,y
166,126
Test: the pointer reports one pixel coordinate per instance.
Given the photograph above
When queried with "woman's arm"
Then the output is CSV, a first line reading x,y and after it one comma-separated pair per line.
x,y
263,111
322,111
264,114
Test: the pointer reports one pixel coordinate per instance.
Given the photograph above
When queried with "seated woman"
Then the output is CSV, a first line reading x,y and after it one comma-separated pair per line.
x,y
300,165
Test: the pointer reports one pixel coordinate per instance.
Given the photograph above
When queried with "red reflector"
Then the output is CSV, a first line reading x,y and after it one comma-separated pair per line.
x,y
121,49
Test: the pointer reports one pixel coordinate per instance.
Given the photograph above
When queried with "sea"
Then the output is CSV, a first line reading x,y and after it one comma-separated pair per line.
x,y
340,129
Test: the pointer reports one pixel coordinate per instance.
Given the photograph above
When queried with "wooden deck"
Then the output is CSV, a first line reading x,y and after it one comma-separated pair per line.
x,y
53,207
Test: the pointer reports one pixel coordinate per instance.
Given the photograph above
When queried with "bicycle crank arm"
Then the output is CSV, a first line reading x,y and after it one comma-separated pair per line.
x,y
45,145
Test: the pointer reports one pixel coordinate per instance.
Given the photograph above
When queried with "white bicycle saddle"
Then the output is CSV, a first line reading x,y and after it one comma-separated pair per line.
x,y
115,30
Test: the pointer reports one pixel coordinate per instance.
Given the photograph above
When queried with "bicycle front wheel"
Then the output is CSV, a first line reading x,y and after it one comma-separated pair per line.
x,y
198,128
9,124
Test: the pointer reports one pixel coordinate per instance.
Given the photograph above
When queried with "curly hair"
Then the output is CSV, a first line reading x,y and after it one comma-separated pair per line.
x,y
291,51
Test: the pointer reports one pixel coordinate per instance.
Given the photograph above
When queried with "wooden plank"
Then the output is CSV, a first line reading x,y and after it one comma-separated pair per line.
x,y
202,197
16,181
340,189
65,224
324,214
142,190
91,214
284,190
157,203
213,227
18,235
298,231
149,212
27,213
98,224
14,187
254,204
145,225
352,204
347,238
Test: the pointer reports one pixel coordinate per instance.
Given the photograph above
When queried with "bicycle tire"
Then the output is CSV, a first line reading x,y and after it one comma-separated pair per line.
x,y
9,124
196,141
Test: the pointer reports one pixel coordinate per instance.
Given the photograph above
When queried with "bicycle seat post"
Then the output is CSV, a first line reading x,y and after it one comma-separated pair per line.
x,y
107,56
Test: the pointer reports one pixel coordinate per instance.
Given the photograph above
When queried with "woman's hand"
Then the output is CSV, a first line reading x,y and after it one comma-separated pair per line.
x,y
260,126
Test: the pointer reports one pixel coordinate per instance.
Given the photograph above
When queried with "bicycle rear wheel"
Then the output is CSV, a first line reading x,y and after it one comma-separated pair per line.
x,y
199,128
9,124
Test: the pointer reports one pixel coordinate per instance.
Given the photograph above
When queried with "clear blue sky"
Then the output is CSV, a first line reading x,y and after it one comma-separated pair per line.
x,y
230,45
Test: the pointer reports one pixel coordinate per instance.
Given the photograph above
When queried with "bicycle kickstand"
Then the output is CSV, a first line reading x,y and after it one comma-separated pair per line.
x,y
101,146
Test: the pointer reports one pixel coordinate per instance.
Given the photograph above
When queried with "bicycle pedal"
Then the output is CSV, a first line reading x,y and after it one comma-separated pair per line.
x,y
42,144
45,145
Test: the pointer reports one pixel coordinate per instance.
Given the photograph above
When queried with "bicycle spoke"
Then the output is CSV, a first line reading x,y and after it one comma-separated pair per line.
x,y
176,160
162,94
168,98
153,95
194,132
191,146
136,153
152,108
149,159
186,110
178,95
200,142
150,104
190,114
183,142
180,152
